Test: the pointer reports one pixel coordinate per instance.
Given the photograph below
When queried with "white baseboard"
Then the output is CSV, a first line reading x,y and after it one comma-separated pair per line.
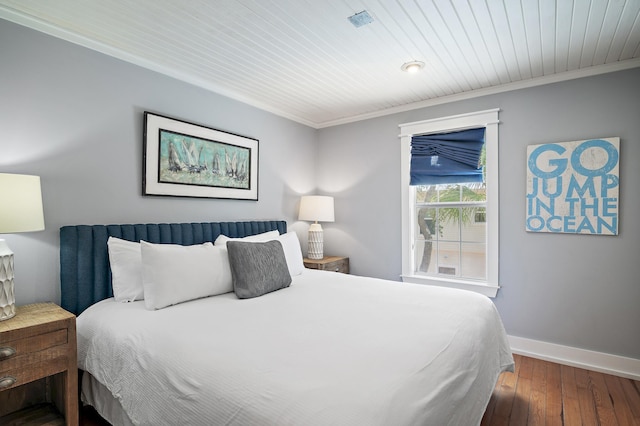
x,y
576,357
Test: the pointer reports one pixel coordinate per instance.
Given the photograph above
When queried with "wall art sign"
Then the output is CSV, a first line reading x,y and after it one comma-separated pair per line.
x,y
189,160
573,187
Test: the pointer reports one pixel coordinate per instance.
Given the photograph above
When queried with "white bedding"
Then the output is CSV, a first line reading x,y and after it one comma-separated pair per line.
x,y
332,349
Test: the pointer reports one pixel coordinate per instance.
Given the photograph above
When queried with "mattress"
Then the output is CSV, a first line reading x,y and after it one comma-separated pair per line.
x,y
331,349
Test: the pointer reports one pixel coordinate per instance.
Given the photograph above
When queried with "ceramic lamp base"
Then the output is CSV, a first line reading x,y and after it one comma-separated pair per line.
x,y
315,248
7,294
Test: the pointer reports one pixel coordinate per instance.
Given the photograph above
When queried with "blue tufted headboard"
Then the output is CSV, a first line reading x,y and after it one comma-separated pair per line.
x,y
85,276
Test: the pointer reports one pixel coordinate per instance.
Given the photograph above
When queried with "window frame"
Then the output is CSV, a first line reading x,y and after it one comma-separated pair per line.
x,y
489,120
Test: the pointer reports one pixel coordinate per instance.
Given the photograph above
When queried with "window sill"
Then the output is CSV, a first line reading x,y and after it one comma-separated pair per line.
x,y
486,289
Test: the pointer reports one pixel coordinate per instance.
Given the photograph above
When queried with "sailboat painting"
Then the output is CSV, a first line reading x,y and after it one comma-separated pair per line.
x,y
189,160
185,159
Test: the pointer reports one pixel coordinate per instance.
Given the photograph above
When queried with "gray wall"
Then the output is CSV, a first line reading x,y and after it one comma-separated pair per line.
x,y
75,117
575,290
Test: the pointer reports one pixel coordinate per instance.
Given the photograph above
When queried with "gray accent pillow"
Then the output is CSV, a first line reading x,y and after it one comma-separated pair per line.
x,y
257,268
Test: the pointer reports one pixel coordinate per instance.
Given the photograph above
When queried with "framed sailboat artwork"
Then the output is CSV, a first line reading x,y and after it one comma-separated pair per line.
x,y
184,159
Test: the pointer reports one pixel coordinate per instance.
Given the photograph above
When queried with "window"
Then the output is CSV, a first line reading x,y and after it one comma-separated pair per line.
x,y
447,237
450,227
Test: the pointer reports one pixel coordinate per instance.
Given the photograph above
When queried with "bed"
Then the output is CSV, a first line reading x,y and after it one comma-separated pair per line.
x,y
323,349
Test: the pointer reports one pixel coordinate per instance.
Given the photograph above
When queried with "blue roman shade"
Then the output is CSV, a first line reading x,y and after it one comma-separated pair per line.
x,y
447,157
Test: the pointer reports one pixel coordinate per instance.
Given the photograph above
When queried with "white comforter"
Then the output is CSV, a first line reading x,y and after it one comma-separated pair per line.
x,y
332,349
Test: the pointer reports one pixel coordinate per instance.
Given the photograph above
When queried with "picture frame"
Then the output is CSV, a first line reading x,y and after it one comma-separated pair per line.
x,y
183,159
573,187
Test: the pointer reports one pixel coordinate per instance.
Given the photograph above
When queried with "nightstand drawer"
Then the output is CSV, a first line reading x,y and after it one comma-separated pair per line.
x,y
329,263
28,373
341,265
28,359
32,344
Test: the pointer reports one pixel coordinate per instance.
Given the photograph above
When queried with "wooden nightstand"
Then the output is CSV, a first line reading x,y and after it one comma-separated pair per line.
x,y
329,263
38,367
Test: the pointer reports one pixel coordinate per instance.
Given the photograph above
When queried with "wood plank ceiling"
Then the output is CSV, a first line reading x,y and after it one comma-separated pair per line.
x,y
304,60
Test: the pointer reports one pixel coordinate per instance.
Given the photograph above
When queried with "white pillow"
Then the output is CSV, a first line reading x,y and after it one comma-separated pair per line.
x,y
290,245
260,238
173,273
289,241
126,269
292,252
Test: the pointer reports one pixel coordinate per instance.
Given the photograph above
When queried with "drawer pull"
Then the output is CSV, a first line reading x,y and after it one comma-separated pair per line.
x,y
7,381
6,352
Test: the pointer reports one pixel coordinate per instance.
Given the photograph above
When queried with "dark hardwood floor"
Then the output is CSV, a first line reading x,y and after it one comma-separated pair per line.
x,y
542,393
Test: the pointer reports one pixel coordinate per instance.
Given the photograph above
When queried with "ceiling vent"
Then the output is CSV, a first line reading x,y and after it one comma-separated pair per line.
x,y
360,19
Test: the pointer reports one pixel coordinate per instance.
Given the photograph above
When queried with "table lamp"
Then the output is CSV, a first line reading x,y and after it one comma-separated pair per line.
x,y
317,208
20,211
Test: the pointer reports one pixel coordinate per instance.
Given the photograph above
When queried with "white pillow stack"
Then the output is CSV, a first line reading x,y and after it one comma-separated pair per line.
x,y
167,274
290,245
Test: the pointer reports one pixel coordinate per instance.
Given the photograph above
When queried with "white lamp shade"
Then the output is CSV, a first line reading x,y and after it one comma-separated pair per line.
x,y
20,204
20,211
318,208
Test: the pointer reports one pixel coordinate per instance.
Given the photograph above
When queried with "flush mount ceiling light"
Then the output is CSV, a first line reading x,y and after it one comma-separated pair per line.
x,y
412,67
